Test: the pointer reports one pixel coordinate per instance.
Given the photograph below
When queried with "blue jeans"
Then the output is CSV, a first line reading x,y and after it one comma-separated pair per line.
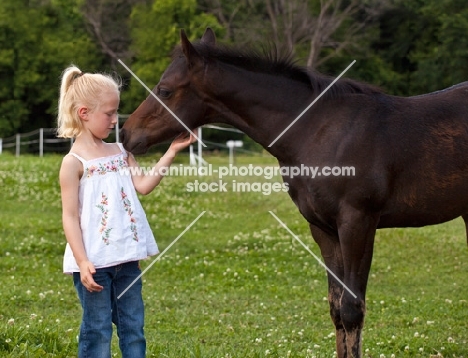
x,y
101,309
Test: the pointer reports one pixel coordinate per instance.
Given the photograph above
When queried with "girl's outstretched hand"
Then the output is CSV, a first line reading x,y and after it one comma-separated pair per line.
x,y
183,140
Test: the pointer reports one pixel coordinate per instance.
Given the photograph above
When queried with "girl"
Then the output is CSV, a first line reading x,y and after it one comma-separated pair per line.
x,y
104,223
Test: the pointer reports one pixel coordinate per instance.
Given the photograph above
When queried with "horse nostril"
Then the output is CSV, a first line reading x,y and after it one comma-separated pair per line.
x,y
122,135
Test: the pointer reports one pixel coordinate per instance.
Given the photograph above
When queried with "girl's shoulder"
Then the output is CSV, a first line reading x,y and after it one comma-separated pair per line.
x,y
71,168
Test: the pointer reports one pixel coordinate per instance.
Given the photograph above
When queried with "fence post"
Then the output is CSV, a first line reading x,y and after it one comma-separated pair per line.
x,y
41,142
1,145
200,154
117,130
18,144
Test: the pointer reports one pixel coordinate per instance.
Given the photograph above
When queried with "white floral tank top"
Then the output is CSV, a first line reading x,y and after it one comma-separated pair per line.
x,y
113,224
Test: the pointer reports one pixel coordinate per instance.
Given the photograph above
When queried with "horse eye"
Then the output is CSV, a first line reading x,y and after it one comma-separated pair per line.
x,y
164,93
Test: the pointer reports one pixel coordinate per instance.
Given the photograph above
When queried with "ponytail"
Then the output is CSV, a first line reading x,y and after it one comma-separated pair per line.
x,y
80,89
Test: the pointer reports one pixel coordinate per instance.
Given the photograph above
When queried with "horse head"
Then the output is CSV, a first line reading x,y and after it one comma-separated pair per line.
x,y
178,91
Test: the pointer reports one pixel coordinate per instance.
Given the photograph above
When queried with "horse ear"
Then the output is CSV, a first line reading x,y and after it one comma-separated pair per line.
x,y
209,37
191,54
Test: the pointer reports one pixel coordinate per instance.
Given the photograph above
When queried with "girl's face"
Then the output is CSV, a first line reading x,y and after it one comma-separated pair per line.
x,y
101,121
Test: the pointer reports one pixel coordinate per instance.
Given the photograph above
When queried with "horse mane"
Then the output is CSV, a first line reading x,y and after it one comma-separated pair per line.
x,y
269,61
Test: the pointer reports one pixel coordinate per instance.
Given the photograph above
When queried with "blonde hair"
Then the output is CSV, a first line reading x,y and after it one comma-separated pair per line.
x,y
81,89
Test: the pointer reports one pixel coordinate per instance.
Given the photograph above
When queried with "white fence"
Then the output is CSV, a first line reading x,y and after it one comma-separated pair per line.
x,y
44,140
37,141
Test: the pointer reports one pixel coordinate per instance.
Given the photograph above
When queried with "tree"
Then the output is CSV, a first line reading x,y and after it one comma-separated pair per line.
x,y
440,57
108,23
155,30
422,45
313,31
38,39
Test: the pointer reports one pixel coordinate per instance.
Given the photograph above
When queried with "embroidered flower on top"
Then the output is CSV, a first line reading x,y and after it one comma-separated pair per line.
x,y
111,166
104,231
128,208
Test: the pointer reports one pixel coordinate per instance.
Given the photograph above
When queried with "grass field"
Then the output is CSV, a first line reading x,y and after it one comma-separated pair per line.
x,y
235,285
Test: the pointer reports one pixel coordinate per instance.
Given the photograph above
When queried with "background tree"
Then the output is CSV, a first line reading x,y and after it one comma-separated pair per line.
x,y
421,47
38,39
406,47
312,31
155,30
440,56
108,23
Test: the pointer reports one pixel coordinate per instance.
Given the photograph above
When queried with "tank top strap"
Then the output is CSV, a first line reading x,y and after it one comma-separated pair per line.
x,y
120,145
78,157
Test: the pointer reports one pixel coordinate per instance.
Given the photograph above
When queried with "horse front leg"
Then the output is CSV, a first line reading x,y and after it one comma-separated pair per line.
x,y
356,231
331,253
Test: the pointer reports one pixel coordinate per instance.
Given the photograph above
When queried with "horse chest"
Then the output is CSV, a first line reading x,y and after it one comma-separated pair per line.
x,y
314,201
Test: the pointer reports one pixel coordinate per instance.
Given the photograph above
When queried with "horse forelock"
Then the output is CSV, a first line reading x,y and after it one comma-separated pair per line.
x,y
270,62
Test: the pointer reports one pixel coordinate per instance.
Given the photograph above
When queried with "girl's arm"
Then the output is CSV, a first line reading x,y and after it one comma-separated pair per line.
x,y
144,182
69,185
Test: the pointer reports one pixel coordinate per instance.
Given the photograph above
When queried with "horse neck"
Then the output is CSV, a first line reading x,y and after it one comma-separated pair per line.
x,y
260,105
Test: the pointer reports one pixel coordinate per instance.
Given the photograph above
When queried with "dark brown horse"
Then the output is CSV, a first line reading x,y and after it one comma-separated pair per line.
x,y
410,154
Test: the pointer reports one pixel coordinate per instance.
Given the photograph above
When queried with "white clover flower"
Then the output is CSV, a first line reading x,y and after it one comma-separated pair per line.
x,y
11,321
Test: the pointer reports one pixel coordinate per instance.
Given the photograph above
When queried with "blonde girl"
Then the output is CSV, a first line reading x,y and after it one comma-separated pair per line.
x,y
104,223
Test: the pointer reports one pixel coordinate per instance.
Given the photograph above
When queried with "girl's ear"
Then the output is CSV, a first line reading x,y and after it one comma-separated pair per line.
x,y
83,113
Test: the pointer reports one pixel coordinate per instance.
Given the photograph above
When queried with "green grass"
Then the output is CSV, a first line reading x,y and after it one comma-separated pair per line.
x,y
235,285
